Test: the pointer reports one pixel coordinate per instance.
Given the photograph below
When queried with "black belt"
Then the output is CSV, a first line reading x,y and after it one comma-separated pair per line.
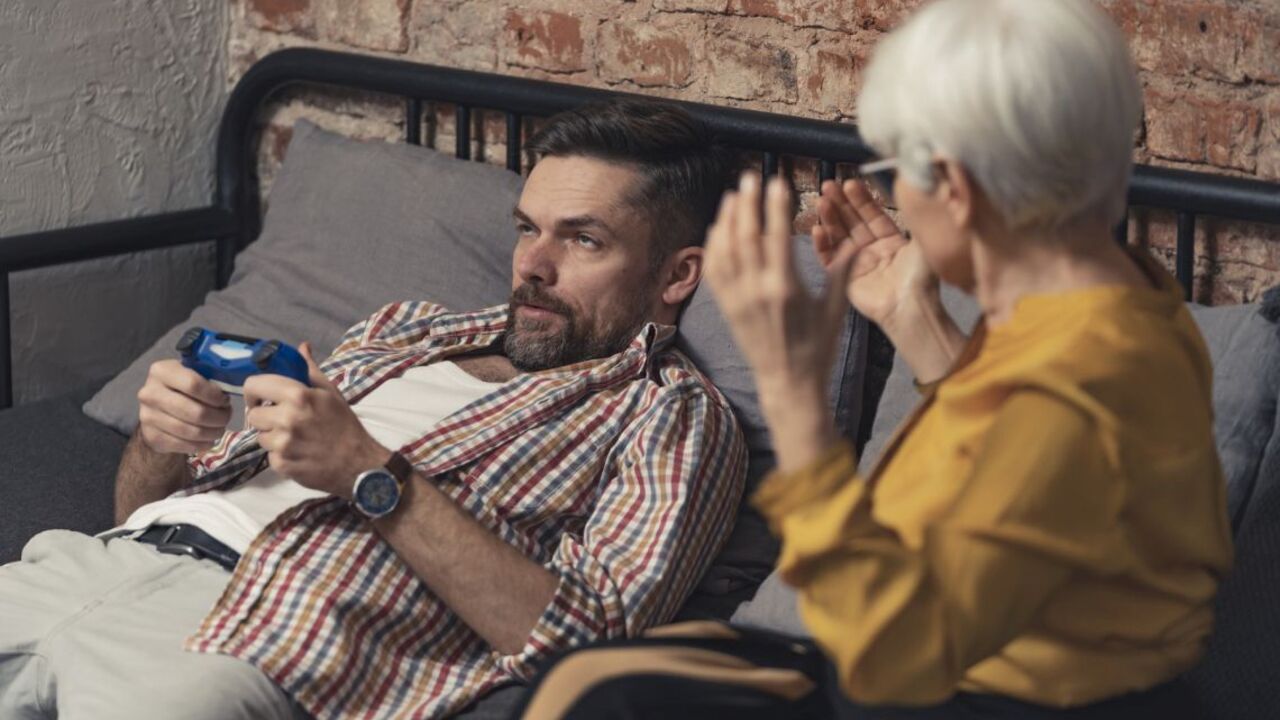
x,y
191,541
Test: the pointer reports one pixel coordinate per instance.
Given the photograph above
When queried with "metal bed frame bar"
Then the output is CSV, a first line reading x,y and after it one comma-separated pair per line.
x,y
233,220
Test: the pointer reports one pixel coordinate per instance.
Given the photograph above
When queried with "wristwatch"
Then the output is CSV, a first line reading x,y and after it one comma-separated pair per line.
x,y
377,491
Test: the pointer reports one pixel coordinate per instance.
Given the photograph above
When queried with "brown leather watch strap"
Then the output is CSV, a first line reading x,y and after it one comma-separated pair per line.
x,y
400,467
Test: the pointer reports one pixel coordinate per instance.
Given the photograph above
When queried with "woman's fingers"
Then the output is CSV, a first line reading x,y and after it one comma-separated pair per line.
x,y
777,241
834,302
869,213
829,201
823,245
838,198
747,223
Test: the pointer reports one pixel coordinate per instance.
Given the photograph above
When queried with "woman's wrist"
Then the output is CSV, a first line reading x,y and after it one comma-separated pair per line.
x,y
924,335
800,423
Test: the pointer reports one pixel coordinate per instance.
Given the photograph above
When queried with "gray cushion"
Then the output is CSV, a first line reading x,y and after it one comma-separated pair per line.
x,y
352,226
750,554
900,395
58,471
1236,678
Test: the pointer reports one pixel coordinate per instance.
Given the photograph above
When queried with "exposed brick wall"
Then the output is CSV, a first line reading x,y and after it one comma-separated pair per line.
x,y
1210,72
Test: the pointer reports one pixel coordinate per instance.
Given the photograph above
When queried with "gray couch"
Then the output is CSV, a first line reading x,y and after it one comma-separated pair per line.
x,y
309,276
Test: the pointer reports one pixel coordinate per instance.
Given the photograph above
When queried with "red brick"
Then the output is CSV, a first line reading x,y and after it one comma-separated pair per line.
x,y
371,24
720,7
287,16
663,52
1219,130
834,75
546,40
750,65
1209,39
1269,145
843,15
277,142
1264,63
794,12
457,34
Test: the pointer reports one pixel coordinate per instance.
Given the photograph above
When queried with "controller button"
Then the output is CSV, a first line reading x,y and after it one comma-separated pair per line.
x,y
188,340
262,356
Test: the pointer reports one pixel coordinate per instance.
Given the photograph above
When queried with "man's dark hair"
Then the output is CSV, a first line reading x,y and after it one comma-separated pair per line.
x,y
683,170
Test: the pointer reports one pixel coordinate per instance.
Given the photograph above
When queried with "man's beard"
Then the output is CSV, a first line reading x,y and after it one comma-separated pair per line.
x,y
533,345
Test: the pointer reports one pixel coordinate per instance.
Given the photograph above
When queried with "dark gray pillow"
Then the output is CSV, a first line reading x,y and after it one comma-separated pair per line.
x,y
1236,678
352,226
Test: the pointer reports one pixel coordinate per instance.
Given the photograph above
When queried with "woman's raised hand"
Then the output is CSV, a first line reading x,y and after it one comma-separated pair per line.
x,y
888,270
787,335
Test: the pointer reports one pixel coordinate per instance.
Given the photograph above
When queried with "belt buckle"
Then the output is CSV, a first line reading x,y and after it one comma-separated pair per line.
x,y
172,548
168,547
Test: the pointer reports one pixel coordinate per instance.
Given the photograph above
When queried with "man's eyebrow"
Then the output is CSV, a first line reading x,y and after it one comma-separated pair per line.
x,y
576,222
585,221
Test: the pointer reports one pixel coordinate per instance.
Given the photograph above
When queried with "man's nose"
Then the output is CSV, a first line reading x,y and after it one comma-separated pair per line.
x,y
538,260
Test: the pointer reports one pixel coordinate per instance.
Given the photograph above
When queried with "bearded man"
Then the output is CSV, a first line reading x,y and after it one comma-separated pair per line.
x,y
452,498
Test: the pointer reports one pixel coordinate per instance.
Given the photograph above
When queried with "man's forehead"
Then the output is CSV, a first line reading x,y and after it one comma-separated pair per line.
x,y
579,187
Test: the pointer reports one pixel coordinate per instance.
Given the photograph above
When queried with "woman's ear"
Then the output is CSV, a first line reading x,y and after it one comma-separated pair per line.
x,y
682,270
959,192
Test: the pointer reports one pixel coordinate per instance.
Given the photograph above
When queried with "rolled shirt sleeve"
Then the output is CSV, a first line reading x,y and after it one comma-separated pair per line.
x,y
662,515
904,624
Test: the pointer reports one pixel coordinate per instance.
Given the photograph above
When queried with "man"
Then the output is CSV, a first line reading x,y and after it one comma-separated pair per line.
x,y
454,497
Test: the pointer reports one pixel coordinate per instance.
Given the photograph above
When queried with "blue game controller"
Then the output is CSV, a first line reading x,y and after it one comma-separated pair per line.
x,y
228,360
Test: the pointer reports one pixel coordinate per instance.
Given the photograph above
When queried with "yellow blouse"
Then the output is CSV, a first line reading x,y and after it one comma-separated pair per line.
x,y
1049,525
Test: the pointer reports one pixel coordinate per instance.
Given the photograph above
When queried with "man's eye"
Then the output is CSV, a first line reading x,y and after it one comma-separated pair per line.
x,y
588,242
525,229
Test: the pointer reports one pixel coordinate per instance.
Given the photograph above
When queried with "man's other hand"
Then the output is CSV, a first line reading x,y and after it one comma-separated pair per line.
x,y
310,434
179,411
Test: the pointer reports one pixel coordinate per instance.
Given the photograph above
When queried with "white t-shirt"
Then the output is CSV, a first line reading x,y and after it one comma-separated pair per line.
x,y
395,413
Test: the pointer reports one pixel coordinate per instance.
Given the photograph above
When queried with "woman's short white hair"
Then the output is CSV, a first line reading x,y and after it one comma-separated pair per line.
x,y
1038,99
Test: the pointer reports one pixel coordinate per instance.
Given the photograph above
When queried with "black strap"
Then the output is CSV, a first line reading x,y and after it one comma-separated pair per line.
x,y
191,541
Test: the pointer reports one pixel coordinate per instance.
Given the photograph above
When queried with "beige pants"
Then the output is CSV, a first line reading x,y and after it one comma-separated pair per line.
x,y
93,630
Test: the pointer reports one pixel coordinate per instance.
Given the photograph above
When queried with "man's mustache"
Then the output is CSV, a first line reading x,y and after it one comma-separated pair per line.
x,y
532,295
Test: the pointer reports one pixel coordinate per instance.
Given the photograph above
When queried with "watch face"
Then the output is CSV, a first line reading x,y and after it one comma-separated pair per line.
x,y
376,493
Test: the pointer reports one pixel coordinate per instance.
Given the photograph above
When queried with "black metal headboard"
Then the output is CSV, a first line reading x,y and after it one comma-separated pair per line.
x,y
233,219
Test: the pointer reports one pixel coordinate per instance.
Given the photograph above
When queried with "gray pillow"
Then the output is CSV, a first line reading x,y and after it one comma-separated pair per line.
x,y
900,393
750,553
352,226
1236,679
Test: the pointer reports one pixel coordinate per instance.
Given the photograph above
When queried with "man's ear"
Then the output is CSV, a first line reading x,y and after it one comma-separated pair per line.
x,y
682,271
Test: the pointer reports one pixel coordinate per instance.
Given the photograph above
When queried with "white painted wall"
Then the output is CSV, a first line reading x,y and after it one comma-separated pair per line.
x,y
108,109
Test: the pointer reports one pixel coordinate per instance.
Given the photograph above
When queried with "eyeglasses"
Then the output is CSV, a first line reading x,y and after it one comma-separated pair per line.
x,y
882,173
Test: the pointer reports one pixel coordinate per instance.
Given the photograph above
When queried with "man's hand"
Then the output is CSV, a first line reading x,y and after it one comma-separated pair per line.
x,y
310,434
179,411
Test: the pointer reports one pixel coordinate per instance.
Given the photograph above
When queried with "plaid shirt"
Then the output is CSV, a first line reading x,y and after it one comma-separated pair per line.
x,y
620,475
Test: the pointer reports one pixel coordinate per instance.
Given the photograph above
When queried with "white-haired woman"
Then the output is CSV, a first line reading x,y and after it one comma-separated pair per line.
x,y
1045,535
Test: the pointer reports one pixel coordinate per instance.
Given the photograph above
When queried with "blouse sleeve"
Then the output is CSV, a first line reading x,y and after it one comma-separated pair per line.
x,y
903,624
